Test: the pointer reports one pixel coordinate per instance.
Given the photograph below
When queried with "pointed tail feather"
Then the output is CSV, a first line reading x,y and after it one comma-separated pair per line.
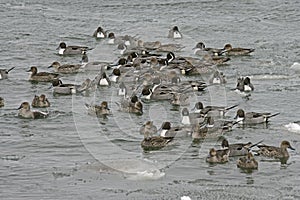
x,y
10,69
228,108
269,116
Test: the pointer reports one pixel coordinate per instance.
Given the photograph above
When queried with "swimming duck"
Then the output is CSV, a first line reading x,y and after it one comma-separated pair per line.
x,y
40,101
216,111
115,76
174,33
66,68
253,117
201,49
99,33
218,156
102,79
148,129
41,76
238,149
207,128
244,84
65,89
217,78
98,110
1,102
169,132
247,162
63,49
238,51
132,105
25,112
154,142
4,73
275,152
215,60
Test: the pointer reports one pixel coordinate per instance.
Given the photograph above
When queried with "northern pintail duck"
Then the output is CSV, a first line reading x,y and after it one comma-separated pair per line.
x,y
40,101
25,112
174,33
244,84
167,131
215,60
99,33
148,129
253,117
275,152
238,51
63,49
41,76
98,110
93,65
215,111
66,89
218,156
132,105
65,68
247,162
208,128
201,49
180,99
1,102
154,142
217,78
115,76
4,73
238,149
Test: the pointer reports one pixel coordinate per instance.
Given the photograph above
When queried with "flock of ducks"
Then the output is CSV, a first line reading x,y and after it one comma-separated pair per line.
x,y
152,71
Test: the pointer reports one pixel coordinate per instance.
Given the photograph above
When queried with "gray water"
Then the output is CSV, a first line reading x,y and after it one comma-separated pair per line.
x,y
72,155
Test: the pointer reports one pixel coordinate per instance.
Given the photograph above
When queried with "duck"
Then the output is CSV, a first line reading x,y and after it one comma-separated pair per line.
x,y
238,51
1,102
132,105
244,84
40,101
148,129
4,73
218,156
169,132
41,76
215,111
93,65
247,162
208,128
215,60
102,79
275,152
66,68
63,49
25,112
180,99
201,49
251,118
217,78
98,110
174,33
115,76
238,149
99,33
66,89
154,143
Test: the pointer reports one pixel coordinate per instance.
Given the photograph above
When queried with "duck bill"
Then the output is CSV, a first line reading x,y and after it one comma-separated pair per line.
x,y
28,70
19,107
292,148
50,66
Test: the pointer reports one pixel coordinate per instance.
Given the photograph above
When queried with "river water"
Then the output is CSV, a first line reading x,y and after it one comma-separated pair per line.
x,y
71,155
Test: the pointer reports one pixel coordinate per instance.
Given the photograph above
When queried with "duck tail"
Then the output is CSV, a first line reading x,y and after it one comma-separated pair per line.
x,y
269,116
228,108
257,143
10,69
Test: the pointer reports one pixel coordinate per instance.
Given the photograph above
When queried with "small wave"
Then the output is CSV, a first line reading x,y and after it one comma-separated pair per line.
x,y
269,77
146,175
295,67
293,127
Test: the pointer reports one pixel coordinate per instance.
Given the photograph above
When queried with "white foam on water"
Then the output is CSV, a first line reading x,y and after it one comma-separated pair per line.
x,y
293,127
